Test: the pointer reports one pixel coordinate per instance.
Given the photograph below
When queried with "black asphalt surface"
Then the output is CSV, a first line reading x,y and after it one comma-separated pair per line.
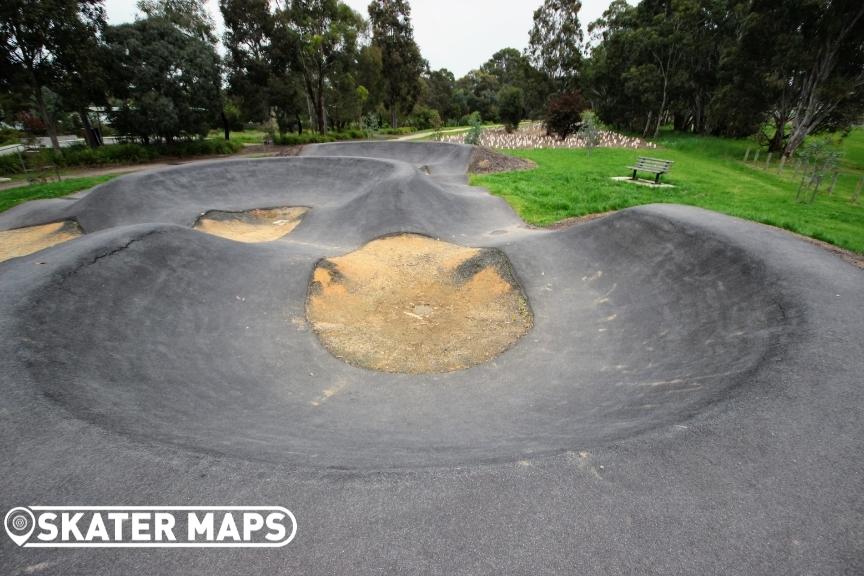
x,y
689,401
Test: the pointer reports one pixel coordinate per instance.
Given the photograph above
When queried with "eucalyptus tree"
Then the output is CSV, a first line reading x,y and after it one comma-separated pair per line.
x,y
556,42
167,81
326,34
393,34
46,44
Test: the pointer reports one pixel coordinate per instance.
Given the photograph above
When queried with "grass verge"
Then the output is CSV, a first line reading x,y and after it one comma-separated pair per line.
x,y
14,196
708,173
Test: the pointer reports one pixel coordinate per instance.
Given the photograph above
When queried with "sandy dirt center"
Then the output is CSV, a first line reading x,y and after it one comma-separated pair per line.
x,y
252,226
411,304
23,241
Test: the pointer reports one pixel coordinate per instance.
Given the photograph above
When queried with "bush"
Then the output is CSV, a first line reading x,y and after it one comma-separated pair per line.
x,y
564,113
9,136
511,107
291,139
402,131
476,130
10,164
116,154
425,118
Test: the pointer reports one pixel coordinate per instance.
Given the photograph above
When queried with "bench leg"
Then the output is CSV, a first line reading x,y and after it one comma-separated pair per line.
x,y
634,175
657,179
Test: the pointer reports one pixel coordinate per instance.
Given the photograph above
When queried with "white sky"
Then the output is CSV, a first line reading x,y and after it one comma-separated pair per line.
x,y
456,34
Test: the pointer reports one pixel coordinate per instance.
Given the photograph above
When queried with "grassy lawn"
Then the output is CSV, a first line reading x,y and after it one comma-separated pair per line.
x,y
708,172
245,137
14,196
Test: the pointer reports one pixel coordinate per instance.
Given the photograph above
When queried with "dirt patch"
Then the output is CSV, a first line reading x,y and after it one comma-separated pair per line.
x,y
252,226
411,304
23,241
486,161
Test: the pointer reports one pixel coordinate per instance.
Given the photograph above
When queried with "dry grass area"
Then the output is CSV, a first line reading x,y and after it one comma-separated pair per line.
x,y
23,241
411,304
253,226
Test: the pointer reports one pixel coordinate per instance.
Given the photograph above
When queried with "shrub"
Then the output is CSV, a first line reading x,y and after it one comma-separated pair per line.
x,y
402,131
511,107
292,139
129,153
476,130
10,164
425,118
564,113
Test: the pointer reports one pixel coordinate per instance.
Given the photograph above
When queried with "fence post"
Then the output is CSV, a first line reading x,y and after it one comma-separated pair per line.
x,y
858,188
747,154
768,161
756,156
833,183
782,164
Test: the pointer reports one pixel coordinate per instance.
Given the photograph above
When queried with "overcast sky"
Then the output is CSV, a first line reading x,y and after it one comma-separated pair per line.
x,y
455,34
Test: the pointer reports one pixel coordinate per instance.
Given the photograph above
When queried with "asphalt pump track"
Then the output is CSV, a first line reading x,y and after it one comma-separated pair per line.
x,y
680,391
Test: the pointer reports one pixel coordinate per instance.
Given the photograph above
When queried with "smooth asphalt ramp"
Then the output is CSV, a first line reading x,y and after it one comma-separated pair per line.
x,y
688,399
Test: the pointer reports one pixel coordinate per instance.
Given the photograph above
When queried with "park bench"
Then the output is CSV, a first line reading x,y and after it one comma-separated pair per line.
x,y
653,165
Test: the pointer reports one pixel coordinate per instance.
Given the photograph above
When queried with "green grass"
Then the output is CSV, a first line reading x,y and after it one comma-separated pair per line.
x,y
708,172
15,196
244,137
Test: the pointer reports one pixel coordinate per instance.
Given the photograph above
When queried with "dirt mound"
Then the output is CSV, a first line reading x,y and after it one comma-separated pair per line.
x,y
23,241
253,226
411,304
486,161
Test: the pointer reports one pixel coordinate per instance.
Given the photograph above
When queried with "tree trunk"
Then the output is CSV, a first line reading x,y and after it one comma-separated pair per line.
x,y
90,134
225,126
394,116
49,125
662,108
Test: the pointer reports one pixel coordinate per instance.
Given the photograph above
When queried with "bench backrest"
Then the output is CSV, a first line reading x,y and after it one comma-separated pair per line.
x,y
653,164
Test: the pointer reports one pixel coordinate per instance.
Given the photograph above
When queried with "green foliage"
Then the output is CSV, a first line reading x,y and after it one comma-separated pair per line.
x,y
425,118
564,114
314,138
475,131
556,41
589,131
511,107
190,16
117,154
9,136
167,81
401,131
50,44
393,34
322,37
724,68
707,173
369,123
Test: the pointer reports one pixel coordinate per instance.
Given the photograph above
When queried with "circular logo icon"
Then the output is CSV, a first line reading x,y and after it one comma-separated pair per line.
x,y
19,523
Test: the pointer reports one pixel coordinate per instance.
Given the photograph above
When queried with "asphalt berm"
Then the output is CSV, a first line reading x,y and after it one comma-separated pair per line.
x,y
681,392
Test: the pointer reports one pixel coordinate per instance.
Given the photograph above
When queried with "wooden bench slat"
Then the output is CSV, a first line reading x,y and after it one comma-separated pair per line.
x,y
656,166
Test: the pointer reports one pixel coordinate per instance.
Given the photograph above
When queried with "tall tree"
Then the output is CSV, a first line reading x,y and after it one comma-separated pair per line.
x,y
393,33
249,63
167,80
40,41
191,16
556,41
814,66
326,33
